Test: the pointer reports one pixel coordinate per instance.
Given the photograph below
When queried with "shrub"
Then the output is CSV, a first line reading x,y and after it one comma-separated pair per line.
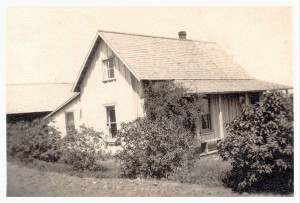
x,y
36,140
83,149
164,140
260,145
166,100
153,149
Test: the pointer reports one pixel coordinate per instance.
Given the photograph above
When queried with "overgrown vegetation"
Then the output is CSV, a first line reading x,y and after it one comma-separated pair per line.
x,y
153,149
33,140
38,140
83,149
260,146
165,100
163,141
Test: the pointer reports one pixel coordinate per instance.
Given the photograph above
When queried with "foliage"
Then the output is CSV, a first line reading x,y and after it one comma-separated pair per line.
x,y
83,149
207,171
153,149
33,140
260,146
165,100
164,140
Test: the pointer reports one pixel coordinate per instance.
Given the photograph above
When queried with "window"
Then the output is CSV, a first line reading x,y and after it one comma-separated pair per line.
x,y
205,118
70,124
254,97
108,69
242,101
111,121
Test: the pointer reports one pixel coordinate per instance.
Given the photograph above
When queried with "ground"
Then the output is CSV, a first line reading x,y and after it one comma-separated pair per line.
x,y
26,181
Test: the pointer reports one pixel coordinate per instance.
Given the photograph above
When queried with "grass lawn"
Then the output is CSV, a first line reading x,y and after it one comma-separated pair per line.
x,y
53,179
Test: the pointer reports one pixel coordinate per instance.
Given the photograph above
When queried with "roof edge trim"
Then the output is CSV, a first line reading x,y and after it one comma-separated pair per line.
x,y
84,63
63,105
118,55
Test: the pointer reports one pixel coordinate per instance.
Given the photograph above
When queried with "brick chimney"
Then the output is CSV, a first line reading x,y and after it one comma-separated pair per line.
x,y
182,34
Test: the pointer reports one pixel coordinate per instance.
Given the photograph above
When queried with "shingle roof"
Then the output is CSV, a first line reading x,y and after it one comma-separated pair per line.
x,y
156,58
204,64
27,98
159,58
221,86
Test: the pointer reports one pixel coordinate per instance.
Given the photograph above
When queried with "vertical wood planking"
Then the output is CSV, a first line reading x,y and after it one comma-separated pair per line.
x,y
234,105
221,127
217,115
109,52
247,99
230,107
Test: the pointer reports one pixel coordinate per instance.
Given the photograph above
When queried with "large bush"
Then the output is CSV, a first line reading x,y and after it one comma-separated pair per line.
x,y
83,149
164,140
165,100
33,140
260,146
153,149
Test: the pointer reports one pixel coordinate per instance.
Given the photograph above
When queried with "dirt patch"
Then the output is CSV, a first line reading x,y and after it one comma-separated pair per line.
x,y
25,181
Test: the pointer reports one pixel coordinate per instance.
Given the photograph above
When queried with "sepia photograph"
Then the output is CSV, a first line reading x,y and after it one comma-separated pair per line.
x,y
150,101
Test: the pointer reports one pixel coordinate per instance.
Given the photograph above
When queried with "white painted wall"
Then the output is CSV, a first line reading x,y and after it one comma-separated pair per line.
x,y
97,94
125,93
59,119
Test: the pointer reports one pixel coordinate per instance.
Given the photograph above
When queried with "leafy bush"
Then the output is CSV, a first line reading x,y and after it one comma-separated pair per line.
x,y
164,140
260,145
36,140
83,149
208,171
166,100
153,149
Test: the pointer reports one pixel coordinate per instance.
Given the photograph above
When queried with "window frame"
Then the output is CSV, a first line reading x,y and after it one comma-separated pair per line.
x,y
107,69
109,123
208,119
66,121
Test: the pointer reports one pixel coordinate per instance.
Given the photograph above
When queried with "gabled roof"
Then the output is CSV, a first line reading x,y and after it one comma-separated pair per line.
x,y
29,98
161,58
228,86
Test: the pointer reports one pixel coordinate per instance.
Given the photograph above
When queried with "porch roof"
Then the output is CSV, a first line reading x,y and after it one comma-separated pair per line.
x,y
229,86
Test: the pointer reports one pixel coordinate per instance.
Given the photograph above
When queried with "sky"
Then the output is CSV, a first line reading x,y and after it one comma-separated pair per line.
x,y
49,44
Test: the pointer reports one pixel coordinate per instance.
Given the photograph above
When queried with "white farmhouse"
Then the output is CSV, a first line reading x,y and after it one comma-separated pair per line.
x,y
109,86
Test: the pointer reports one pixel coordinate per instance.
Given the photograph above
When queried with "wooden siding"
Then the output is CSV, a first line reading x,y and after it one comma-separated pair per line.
x,y
223,109
231,108
124,92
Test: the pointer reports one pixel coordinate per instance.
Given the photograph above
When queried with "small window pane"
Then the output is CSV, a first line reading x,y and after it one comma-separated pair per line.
x,y
113,130
205,118
111,73
70,119
112,115
254,97
70,125
110,63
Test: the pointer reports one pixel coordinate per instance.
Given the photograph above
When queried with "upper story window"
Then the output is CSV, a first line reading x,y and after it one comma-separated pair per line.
x,y
108,68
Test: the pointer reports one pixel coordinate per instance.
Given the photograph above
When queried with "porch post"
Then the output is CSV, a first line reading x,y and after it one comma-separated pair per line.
x,y
247,99
221,118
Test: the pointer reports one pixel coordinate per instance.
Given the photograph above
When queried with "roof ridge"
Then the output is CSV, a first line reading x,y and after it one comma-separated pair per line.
x,y
155,36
